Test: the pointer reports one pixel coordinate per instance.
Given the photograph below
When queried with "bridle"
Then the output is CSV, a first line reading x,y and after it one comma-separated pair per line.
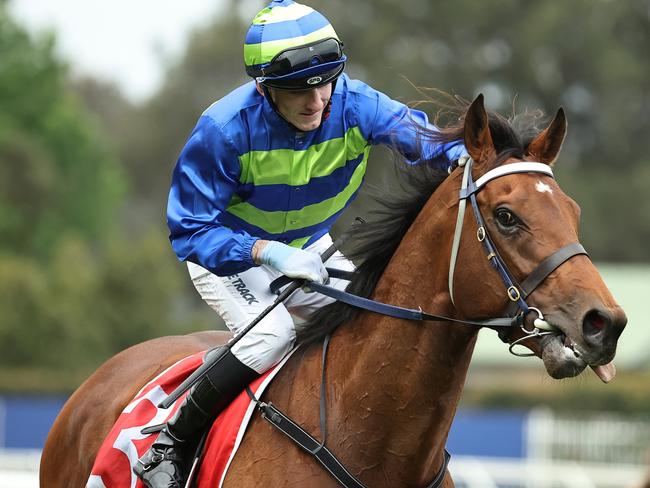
x,y
516,293
517,309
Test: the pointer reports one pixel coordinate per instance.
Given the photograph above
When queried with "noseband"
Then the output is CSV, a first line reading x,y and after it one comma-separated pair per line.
x,y
516,293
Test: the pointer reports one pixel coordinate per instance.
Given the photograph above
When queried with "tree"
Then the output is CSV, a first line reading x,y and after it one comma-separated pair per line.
x,y
521,56
56,170
75,288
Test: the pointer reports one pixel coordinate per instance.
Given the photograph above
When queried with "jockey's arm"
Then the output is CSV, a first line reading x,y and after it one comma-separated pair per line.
x,y
205,178
204,181
394,124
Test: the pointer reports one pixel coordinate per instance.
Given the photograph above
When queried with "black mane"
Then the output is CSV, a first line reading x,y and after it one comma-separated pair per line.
x,y
374,242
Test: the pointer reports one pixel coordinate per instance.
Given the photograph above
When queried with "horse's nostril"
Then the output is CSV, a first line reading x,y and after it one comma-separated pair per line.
x,y
594,323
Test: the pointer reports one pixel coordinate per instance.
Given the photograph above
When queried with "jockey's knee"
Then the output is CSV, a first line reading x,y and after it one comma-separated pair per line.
x,y
261,349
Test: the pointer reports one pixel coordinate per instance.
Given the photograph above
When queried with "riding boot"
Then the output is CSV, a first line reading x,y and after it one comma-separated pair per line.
x,y
166,463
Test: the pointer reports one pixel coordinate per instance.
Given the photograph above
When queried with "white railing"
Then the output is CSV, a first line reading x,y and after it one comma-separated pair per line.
x,y
598,450
590,438
593,451
19,468
471,472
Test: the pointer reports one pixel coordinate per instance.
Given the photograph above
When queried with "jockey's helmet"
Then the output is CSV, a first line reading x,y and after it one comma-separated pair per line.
x,y
291,46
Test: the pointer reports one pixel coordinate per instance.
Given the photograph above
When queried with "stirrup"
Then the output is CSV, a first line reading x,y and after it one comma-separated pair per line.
x,y
163,459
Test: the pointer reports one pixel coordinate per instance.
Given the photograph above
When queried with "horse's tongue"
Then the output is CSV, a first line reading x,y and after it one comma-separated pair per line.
x,y
606,372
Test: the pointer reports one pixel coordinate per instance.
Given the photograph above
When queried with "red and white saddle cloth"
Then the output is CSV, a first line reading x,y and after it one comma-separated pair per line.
x,y
125,443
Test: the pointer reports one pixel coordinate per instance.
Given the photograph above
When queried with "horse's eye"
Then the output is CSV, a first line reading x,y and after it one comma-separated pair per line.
x,y
506,218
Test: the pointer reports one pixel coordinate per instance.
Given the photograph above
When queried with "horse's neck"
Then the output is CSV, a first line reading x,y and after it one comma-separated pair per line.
x,y
401,382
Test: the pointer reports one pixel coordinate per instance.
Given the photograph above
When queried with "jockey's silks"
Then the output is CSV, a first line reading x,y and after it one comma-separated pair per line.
x,y
245,174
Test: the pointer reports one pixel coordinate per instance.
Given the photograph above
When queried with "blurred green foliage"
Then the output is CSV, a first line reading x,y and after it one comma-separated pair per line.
x,y
75,285
85,266
57,174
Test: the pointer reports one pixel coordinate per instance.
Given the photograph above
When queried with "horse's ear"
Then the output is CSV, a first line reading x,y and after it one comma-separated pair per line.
x,y
478,140
546,146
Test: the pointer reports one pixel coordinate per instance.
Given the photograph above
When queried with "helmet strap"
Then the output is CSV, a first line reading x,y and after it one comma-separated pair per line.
x,y
269,98
328,108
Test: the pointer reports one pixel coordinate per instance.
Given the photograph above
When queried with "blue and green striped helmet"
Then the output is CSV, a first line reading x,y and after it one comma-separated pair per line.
x,y
291,46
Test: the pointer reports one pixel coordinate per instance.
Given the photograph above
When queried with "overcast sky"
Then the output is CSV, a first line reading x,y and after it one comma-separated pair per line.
x,y
124,41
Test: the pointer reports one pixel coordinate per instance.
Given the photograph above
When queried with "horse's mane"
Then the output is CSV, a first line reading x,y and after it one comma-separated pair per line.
x,y
373,243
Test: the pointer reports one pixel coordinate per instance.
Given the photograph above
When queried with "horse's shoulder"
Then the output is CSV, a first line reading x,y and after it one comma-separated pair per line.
x,y
296,387
295,390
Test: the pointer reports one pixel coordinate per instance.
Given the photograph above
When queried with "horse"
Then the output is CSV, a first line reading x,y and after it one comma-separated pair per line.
x,y
393,384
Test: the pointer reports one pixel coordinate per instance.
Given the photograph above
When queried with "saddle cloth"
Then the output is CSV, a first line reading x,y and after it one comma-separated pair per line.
x,y
125,443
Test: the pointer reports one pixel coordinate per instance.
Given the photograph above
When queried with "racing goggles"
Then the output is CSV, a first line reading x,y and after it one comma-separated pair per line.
x,y
296,59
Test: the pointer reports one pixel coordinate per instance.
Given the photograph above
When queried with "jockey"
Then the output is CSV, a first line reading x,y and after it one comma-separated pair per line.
x,y
263,176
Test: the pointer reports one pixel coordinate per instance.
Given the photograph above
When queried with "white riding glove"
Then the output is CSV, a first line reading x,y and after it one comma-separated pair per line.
x,y
293,262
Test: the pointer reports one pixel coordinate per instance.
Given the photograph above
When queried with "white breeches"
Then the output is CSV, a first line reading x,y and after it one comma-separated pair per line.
x,y
239,298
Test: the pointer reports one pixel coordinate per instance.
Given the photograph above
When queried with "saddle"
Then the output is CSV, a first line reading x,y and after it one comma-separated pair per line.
x,y
137,426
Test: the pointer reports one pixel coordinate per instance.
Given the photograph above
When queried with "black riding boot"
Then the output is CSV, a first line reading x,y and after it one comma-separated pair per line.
x,y
166,463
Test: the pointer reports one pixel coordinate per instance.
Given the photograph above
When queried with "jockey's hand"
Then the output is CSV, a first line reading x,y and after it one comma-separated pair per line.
x,y
291,261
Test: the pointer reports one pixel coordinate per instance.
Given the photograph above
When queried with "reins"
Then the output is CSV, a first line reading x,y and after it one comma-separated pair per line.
x,y
517,309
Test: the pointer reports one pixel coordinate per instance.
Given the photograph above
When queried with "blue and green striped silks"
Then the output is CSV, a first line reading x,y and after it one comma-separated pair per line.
x,y
296,169
245,174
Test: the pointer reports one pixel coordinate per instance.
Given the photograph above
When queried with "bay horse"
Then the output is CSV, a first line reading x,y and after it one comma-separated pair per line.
x,y
394,385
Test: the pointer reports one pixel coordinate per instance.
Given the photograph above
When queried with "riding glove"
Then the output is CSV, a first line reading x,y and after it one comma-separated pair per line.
x,y
293,262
